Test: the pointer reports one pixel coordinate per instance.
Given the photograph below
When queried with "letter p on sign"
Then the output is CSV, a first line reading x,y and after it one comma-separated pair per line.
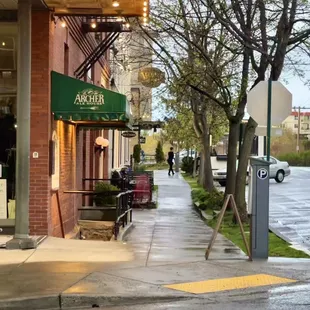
x,y
262,173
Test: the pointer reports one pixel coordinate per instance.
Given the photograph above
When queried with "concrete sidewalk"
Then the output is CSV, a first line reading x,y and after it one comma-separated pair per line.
x,y
165,247
174,233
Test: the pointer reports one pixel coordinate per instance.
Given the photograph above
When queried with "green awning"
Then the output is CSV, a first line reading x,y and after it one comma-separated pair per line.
x,y
77,101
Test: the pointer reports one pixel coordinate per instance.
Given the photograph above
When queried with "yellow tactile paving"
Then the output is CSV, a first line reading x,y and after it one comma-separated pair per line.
x,y
226,284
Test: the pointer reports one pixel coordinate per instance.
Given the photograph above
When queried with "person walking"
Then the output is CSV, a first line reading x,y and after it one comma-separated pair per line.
x,y
170,161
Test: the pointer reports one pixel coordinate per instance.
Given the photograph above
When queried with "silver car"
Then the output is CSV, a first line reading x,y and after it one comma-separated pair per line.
x,y
278,171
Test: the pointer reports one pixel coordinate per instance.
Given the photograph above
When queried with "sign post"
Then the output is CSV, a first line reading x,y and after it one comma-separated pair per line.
x,y
269,103
269,118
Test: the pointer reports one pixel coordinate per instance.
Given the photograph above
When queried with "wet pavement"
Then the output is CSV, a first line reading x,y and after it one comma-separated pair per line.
x,y
272,299
290,207
165,247
174,233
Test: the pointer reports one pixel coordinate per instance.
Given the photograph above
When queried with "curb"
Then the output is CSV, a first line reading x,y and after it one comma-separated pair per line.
x,y
47,302
58,302
124,232
95,301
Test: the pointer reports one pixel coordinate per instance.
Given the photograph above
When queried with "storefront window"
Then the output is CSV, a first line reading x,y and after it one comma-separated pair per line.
x,y
8,92
55,161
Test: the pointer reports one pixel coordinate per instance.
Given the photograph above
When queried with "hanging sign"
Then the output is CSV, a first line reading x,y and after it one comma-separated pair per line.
x,y
151,77
129,134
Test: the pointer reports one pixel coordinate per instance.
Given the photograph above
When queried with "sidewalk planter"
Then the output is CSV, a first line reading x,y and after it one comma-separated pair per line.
x,y
102,200
96,230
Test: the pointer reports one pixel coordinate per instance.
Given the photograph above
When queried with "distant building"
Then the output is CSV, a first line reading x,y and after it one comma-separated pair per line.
x,y
291,122
130,54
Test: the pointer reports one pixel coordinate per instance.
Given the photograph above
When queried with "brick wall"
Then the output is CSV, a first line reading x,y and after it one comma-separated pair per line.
x,y
42,38
77,157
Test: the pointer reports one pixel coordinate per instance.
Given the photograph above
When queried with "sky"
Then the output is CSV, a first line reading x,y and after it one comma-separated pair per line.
x,y
295,84
300,92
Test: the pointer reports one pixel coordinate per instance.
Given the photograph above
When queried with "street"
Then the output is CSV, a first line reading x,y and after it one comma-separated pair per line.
x,y
284,298
290,209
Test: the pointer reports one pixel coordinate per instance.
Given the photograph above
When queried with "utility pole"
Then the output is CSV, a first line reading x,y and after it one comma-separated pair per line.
x,y
299,125
298,132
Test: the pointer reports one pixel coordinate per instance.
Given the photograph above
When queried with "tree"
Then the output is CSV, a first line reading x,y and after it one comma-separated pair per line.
x,y
252,38
209,71
137,153
159,153
270,32
193,127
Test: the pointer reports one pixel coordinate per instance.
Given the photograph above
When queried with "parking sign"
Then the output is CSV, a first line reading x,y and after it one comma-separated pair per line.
x,y
262,173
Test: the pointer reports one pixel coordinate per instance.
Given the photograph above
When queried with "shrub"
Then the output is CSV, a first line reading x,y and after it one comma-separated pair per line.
x,y
301,159
187,164
208,200
159,153
102,187
140,168
137,153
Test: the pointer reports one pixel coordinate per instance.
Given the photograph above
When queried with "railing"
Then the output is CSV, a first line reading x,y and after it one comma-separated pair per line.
x,y
123,210
122,183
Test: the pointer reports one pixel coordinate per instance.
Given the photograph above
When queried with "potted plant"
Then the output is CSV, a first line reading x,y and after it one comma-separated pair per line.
x,y
101,200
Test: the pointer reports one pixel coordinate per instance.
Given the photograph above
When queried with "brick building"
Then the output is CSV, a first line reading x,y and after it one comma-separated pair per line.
x,y
62,138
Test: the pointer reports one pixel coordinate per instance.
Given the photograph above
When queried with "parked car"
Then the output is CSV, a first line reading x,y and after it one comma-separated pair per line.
x,y
278,170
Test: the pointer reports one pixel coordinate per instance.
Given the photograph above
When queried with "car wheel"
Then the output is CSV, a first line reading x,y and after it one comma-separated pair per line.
x,y
280,176
222,183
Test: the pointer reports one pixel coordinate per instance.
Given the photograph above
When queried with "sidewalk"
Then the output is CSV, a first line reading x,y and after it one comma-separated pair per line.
x,y
165,247
174,233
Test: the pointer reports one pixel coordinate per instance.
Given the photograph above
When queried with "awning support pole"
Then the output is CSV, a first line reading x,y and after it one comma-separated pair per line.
x,y
21,238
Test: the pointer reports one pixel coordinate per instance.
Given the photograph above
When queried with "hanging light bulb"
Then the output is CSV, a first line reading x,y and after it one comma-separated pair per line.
x,y
115,4
145,3
145,20
127,25
144,14
63,24
144,9
3,43
119,19
93,25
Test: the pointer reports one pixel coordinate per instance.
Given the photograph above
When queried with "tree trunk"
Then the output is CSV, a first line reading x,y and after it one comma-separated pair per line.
x,y
195,165
232,157
201,178
242,168
207,168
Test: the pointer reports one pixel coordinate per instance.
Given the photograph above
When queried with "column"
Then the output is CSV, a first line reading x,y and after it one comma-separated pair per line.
x,y
21,238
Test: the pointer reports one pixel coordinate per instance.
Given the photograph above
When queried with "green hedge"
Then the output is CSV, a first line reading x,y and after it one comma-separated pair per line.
x,y
187,164
102,187
301,159
205,200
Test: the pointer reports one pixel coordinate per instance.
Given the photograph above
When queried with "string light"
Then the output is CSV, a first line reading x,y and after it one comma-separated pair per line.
x,y
3,43
144,9
93,25
119,19
145,3
63,24
115,4
127,25
144,14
